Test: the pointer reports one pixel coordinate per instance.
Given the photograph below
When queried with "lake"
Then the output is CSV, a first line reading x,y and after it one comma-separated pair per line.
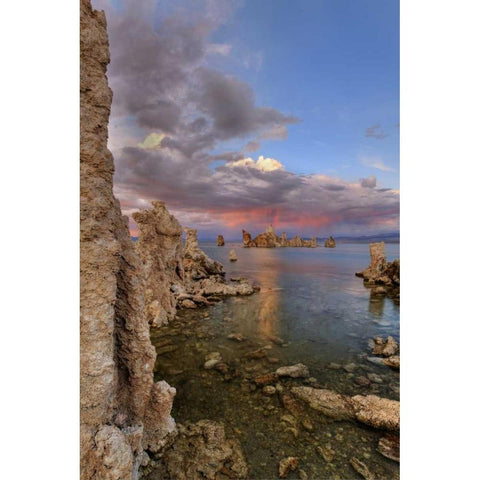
x,y
312,310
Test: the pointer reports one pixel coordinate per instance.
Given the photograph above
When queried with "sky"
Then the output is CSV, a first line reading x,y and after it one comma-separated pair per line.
x,y
240,114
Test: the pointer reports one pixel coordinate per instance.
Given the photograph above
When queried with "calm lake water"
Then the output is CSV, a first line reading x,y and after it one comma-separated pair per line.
x,y
312,301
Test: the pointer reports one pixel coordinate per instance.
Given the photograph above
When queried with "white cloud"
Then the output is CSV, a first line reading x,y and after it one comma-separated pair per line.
x,y
375,162
263,164
222,49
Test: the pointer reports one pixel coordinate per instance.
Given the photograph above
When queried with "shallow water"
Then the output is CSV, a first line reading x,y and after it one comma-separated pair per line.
x,y
322,313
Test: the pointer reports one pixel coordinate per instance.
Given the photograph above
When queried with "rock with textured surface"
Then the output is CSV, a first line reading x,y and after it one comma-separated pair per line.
x,y
381,272
362,469
116,355
386,348
202,451
389,447
329,403
159,247
220,241
288,464
294,371
377,412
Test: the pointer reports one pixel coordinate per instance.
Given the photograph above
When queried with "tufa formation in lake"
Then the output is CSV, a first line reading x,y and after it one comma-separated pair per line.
x,y
220,241
269,239
123,412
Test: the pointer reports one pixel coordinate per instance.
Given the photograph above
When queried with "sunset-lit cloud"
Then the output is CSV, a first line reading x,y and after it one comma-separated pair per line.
x,y
191,130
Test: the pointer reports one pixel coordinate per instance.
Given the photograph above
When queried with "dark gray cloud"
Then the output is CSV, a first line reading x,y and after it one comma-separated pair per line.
x,y
375,131
370,182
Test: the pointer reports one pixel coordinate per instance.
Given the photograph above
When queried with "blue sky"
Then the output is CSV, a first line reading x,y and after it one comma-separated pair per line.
x,y
267,111
335,65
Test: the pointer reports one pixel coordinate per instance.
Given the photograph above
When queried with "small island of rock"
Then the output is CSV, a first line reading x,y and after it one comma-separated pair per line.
x,y
269,239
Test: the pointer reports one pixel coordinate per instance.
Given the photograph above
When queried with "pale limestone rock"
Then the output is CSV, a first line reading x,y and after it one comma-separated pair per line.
x,y
159,247
325,401
377,412
374,411
116,356
294,371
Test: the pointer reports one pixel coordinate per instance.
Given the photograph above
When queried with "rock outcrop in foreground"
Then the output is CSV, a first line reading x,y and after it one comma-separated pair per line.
x,y
201,452
269,239
177,276
123,412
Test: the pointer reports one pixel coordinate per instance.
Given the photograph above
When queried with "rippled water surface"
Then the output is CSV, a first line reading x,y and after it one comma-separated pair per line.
x,y
311,310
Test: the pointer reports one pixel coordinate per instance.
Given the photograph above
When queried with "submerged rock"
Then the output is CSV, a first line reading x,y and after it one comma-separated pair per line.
x,y
294,371
288,464
362,469
389,447
238,337
325,401
372,410
202,451
327,453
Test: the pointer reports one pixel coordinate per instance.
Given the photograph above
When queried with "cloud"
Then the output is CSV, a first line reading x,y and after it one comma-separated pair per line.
x,y
253,61
183,113
162,80
151,141
370,182
276,132
262,164
252,146
222,49
375,131
244,193
376,162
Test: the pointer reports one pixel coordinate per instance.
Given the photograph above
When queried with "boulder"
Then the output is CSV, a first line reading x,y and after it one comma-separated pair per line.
x,y
377,412
294,371
329,403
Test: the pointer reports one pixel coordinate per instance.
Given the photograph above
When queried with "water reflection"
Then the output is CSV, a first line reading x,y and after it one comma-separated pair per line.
x,y
376,304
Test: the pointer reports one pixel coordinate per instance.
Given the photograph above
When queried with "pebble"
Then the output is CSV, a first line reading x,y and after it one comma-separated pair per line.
x,y
269,390
350,368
